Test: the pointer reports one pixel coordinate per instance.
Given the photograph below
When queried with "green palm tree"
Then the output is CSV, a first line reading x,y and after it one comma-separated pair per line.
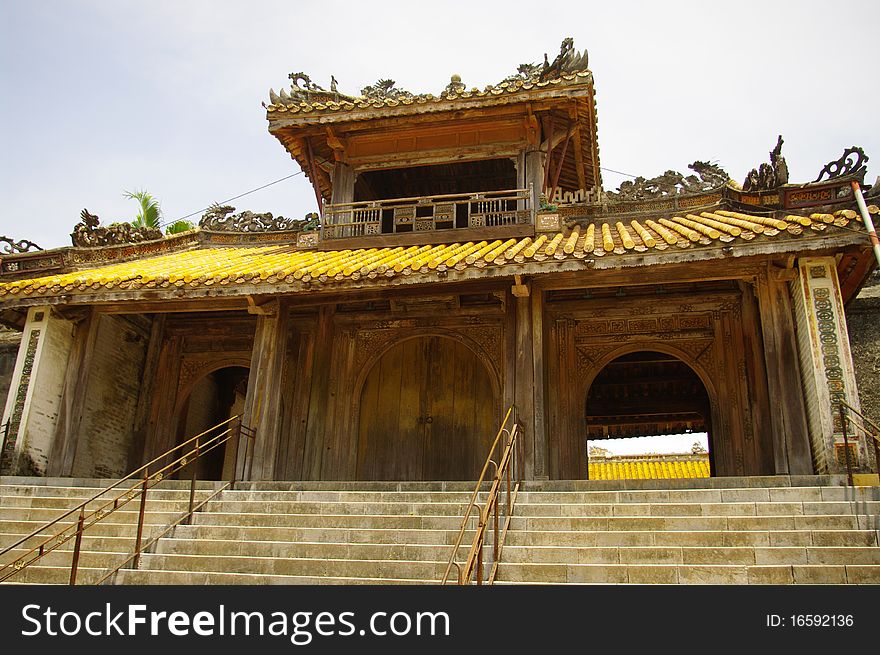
x,y
150,213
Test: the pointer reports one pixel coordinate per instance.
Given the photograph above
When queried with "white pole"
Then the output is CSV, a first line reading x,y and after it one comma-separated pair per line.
x,y
866,218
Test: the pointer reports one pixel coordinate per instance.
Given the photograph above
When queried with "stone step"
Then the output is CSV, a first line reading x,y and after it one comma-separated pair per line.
x,y
694,523
747,555
767,481
697,509
305,550
330,520
42,515
583,538
462,497
57,575
525,573
760,494
333,535
105,528
96,559
313,567
330,508
63,504
155,577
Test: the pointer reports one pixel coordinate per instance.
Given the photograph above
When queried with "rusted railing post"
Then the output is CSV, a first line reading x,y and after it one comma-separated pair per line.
x,y
495,530
192,484
849,473
74,564
140,525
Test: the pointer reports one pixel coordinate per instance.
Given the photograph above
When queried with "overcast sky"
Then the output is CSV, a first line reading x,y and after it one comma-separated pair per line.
x,y
103,96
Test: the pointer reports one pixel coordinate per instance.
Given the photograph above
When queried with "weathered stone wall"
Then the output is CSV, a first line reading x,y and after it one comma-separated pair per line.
x,y
863,320
9,342
114,383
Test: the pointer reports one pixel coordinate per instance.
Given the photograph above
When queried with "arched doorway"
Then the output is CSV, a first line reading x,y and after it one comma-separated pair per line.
x,y
648,415
427,411
213,399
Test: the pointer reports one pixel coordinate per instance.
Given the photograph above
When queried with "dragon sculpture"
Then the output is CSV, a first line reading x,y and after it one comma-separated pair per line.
x,y
220,218
768,176
708,177
88,233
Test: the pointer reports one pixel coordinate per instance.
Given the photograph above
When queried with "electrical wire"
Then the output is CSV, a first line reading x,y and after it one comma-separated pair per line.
x,y
241,195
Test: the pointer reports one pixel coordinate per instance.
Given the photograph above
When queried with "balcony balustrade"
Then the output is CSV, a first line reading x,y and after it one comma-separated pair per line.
x,y
428,213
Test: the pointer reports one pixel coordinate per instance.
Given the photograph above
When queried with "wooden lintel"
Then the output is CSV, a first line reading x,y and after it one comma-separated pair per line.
x,y
265,308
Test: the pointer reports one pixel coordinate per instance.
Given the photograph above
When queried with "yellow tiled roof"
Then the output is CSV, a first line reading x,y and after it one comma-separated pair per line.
x,y
273,265
649,470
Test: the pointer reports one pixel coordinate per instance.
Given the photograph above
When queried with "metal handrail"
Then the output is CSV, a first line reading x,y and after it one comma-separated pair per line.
x,y
508,467
146,481
842,407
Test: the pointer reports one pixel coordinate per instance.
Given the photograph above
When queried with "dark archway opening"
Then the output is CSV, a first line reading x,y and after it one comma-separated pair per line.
x,y
651,397
213,399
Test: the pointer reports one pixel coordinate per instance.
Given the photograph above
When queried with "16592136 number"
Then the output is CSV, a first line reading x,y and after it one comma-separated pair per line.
x,y
821,620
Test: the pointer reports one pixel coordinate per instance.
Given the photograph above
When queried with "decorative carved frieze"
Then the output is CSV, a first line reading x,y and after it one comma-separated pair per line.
x,y
219,218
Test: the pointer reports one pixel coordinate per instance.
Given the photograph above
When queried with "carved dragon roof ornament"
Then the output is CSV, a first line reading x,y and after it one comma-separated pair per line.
x,y
768,176
671,183
9,245
218,218
89,234
303,90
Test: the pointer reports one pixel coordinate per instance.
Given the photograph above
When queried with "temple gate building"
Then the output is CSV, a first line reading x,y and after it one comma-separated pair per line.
x,y
465,258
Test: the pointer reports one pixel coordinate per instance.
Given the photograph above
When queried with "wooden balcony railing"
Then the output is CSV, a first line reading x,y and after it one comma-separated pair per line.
x,y
428,213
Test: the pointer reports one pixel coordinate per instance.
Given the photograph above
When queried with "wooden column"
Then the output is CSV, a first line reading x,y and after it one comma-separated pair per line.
x,y
788,421
318,404
161,429
524,390
147,391
263,402
343,183
73,395
541,470
534,172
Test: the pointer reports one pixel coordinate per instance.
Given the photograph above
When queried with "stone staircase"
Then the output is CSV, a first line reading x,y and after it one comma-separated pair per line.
x,y
774,530
758,530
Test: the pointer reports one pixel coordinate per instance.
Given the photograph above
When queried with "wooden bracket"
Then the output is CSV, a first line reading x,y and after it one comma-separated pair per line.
x,y
519,290
266,308
783,274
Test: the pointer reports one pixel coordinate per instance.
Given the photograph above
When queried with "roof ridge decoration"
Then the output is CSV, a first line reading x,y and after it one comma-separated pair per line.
x,y
304,93
217,219
11,246
768,176
851,163
672,183
89,234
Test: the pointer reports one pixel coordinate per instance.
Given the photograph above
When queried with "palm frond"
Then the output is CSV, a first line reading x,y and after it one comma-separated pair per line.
x,y
150,213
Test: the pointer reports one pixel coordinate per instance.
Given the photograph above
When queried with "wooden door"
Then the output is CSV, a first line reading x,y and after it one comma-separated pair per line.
x,y
427,412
